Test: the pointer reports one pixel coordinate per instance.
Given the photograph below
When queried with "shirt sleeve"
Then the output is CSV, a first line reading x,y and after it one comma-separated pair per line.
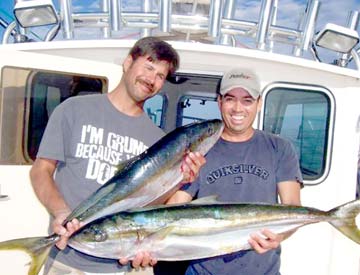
x,y
288,167
192,188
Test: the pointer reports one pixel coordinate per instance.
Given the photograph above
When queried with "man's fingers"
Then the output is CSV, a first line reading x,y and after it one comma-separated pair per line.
x,y
72,226
265,241
142,259
153,262
146,259
254,242
62,243
136,262
123,261
65,232
191,166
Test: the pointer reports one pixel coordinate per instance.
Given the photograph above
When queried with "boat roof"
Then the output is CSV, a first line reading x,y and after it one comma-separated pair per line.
x,y
212,24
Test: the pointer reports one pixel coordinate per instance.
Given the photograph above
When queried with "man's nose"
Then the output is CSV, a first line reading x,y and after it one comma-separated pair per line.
x,y
151,77
238,106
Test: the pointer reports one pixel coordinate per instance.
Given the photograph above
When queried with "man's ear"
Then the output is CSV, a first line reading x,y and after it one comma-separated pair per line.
x,y
219,101
259,104
127,63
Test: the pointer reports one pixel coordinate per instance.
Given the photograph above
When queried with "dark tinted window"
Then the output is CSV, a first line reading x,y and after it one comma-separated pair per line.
x,y
303,117
47,91
198,109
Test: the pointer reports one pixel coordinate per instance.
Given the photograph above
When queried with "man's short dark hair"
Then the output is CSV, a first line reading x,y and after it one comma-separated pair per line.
x,y
158,50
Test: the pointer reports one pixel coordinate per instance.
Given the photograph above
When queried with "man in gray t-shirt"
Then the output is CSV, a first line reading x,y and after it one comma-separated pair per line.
x,y
84,141
249,166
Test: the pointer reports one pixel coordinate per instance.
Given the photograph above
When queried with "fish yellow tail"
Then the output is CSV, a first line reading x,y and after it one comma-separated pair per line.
x,y
37,248
344,219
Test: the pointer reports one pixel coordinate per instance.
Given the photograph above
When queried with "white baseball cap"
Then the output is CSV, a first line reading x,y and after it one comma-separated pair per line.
x,y
240,78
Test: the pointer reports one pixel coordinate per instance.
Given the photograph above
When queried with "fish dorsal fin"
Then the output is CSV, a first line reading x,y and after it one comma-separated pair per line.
x,y
206,200
148,208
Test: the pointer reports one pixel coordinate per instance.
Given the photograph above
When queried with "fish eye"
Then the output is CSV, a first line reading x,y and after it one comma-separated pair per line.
x,y
99,235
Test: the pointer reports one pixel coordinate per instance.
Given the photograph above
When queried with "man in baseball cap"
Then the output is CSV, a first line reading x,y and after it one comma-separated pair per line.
x,y
239,102
245,165
240,78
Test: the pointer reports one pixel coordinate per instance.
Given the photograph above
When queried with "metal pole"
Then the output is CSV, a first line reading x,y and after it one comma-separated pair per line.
x,y
229,10
312,11
353,22
264,22
165,16
215,18
273,21
67,21
115,15
10,30
146,8
105,9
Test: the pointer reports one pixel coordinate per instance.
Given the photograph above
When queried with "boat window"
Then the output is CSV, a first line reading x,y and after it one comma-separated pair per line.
x,y
303,117
154,108
47,91
198,109
28,98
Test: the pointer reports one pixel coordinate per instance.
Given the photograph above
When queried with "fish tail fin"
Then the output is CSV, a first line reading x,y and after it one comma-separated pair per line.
x,y
345,219
38,248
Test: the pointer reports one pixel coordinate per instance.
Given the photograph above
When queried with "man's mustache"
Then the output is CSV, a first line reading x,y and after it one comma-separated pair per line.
x,y
146,83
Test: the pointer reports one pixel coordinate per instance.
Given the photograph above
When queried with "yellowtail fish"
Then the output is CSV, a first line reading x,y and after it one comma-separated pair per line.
x,y
191,231
151,176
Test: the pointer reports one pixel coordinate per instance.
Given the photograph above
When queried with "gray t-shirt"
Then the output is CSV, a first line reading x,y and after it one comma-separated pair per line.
x,y
246,172
89,137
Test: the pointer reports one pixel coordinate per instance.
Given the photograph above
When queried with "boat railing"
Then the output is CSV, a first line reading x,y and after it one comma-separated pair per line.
x,y
214,22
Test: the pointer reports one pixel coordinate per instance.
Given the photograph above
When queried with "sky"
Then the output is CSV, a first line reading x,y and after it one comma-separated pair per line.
x,y
289,11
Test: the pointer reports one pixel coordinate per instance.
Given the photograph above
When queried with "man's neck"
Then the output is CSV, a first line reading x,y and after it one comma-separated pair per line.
x,y
238,137
123,103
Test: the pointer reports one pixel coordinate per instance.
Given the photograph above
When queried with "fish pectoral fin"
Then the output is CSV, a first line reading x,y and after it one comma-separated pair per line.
x,y
159,235
152,240
206,200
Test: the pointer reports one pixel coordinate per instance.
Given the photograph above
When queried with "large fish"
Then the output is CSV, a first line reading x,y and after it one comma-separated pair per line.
x,y
151,176
147,178
195,231
190,231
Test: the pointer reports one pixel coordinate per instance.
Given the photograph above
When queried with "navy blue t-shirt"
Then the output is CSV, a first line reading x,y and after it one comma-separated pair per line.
x,y
245,172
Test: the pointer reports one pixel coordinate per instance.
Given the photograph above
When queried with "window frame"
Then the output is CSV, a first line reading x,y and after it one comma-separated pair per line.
x,y
330,132
28,90
195,96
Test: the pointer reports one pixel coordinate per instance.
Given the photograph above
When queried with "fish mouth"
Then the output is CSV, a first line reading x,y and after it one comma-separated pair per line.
x,y
206,145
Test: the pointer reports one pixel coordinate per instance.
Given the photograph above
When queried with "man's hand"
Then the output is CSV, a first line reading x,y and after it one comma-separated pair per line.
x,y
142,259
64,232
191,165
266,242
